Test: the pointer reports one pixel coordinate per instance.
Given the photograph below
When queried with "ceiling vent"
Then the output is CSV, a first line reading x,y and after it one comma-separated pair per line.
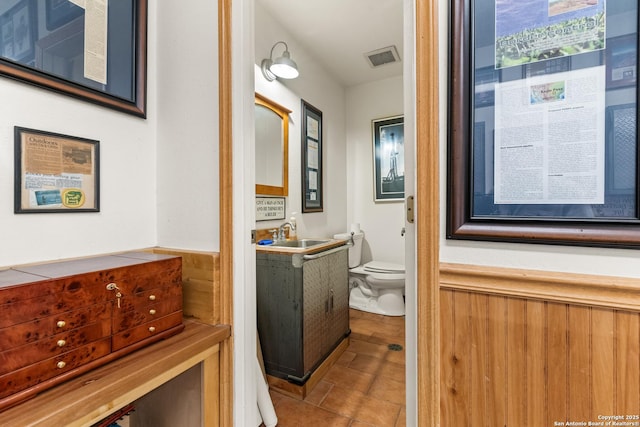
x,y
386,55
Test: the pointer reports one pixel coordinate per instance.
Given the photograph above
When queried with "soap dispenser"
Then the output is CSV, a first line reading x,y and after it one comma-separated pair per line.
x,y
293,234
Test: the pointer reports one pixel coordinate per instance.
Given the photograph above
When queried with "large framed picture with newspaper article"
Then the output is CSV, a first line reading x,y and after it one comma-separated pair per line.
x,y
555,158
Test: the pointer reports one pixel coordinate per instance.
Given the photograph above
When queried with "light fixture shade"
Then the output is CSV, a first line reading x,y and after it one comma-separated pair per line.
x,y
283,67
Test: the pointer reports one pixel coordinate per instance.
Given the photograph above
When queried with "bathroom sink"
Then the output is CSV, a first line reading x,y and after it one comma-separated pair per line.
x,y
302,243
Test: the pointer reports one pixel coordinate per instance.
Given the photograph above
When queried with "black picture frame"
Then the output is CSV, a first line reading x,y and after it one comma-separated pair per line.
x,y
312,176
55,173
472,213
55,56
388,158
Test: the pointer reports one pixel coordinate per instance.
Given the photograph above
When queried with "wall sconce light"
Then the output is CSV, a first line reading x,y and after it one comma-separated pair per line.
x,y
283,67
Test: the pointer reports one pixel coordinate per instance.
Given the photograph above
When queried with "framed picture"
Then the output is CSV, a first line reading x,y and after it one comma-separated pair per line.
x,y
55,173
311,158
388,158
555,159
97,54
17,32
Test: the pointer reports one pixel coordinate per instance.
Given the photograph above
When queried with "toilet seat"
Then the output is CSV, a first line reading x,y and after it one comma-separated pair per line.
x,y
383,267
380,270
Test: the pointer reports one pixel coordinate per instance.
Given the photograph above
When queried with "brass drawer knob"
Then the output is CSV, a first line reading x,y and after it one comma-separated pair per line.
x,y
152,311
152,297
61,324
62,343
60,364
152,328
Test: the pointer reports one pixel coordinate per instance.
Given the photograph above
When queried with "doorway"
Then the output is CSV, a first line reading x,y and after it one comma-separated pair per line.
x,y
424,89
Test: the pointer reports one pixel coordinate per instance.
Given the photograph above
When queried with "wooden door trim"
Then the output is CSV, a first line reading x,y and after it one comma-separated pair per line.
x,y
226,207
428,208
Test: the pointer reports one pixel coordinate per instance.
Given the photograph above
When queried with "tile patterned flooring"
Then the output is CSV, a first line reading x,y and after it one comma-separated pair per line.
x,y
365,387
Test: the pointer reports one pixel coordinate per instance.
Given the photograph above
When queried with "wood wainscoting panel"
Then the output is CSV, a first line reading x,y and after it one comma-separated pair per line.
x,y
627,362
516,361
534,329
496,363
200,284
556,361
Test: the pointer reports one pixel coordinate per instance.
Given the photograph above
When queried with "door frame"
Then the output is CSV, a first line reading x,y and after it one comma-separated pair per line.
x,y
427,210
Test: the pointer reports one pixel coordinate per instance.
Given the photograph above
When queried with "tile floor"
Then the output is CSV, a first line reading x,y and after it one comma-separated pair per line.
x,y
366,386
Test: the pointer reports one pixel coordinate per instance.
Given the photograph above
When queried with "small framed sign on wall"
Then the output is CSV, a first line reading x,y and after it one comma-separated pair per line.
x,y
268,208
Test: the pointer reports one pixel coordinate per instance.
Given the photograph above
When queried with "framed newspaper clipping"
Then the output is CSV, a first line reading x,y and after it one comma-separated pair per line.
x,y
55,173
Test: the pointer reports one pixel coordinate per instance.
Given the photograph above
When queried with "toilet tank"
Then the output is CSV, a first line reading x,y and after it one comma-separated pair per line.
x,y
355,251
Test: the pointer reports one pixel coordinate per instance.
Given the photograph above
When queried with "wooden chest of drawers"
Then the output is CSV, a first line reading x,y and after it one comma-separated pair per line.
x,y
58,320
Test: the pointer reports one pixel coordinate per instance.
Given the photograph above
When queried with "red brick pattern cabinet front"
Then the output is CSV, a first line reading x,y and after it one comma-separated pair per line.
x,y
60,319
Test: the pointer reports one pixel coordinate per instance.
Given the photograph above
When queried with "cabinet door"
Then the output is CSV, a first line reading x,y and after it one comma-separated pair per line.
x,y
315,309
326,306
338,288
279,300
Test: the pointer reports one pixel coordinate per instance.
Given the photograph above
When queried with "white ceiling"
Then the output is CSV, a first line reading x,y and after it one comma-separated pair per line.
x,y
339,32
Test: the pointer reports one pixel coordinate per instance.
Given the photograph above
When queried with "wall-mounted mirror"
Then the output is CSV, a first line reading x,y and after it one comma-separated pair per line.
x,y
272,147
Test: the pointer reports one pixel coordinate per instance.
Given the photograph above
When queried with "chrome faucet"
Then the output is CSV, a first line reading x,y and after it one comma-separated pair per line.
x,y
281,235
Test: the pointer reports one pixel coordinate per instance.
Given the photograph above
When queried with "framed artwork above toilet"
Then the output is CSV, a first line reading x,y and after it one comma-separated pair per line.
x,y
388,158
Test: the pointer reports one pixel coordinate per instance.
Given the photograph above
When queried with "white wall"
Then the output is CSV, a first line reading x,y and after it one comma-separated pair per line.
x,y
187,87
614,262
381,222
127,217
319,89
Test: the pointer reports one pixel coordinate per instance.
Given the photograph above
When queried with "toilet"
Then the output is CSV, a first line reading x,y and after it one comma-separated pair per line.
x,y
376,286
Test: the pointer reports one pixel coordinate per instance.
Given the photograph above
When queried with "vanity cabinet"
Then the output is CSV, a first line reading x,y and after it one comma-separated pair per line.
x,y
60,319
303,310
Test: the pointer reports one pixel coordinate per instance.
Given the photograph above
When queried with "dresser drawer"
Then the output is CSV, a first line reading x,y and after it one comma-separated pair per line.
x,y
146,330
73,293
28,332
32,375
134,300
145,312
55,345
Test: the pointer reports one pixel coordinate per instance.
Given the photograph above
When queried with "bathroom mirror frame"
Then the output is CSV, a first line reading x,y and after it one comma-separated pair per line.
x,y
283,113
